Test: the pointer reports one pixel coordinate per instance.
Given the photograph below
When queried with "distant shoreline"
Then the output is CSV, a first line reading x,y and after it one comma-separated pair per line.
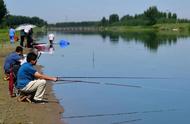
x,y
168,27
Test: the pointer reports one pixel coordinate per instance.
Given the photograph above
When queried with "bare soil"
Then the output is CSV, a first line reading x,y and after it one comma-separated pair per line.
x,y
14,112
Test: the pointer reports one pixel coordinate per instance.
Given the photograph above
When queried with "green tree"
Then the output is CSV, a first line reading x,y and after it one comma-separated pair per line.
x,y
174,16
17,20
3,10
151,14
113,18
126,17
104,21
169,15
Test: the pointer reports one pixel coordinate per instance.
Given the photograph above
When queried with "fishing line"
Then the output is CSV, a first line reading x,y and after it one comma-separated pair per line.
x,y
119,77
125,85
76,81
99,115
93,82
117,114
113,84
128,121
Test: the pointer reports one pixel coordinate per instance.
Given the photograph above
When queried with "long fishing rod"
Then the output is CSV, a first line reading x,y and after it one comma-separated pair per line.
x,y
77,81
117,114
116,77
100,115
95,82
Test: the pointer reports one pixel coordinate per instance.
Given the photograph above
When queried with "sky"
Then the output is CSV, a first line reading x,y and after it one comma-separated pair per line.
x,y
54,11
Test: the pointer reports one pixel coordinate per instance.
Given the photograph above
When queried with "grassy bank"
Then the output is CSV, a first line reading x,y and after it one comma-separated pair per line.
x,y
4,35
171,28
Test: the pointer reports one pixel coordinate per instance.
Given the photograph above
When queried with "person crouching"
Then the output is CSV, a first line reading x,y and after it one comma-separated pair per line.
x,y
30,80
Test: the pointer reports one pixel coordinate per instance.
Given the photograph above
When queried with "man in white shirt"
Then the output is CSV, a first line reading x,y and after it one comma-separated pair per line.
x,y
51,38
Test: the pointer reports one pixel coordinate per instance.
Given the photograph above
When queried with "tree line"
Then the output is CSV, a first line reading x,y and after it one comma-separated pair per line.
x,y
17,20
75,24
150,17
13,20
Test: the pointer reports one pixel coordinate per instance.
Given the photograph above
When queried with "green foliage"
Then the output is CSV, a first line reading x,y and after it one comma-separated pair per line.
x,y
17,20
150,17
189,27
75,24
174,16
104,22
113,18
151,14
3,10
12,20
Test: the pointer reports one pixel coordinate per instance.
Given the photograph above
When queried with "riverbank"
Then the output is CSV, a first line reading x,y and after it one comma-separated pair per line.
x,y
14,112
165,28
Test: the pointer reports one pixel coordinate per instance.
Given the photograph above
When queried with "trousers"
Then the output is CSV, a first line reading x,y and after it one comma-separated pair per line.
x,y
37,86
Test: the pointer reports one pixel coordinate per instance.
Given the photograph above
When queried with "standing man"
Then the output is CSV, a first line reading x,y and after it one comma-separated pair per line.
x,y
30,80
51,38
11,34
22,37
29,37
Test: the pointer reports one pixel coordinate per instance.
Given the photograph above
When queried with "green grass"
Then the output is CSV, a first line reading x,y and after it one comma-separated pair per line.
x,y
171,28
4,35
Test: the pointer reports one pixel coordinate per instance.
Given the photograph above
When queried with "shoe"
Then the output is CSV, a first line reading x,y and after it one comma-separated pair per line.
x,y
39,101
6,78
13,95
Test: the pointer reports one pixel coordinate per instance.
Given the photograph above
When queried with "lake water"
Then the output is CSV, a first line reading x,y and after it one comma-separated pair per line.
x,y
156,91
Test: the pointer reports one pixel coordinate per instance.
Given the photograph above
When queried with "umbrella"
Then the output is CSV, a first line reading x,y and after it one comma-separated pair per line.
x,y
25,27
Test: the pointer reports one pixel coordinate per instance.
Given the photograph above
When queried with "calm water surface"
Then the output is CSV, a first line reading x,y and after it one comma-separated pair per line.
x,y
162,100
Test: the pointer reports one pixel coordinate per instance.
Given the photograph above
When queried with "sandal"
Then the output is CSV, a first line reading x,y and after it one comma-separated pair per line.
x,y
6,78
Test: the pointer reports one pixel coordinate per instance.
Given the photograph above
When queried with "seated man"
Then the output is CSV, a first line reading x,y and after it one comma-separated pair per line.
x,y
30,80
14,58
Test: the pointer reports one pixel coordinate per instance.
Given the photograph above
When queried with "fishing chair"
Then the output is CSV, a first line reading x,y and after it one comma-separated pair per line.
x,y
24,96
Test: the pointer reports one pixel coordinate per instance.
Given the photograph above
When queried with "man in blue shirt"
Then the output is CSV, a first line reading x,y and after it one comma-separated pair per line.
x,y
12,59
30,80
11,34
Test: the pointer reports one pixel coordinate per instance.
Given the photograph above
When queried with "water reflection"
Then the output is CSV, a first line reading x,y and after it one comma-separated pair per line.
x,y
45,48
151,40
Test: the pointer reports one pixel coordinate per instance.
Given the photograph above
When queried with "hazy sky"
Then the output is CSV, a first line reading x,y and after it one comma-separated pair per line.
x,y
92,10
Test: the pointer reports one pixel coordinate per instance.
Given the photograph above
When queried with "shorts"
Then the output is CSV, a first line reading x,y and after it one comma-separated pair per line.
x,y
11,39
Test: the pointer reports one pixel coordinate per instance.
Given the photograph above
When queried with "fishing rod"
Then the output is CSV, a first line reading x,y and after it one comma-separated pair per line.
x,y
39,55
116,77
118,114
100,115
95,82
77,81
